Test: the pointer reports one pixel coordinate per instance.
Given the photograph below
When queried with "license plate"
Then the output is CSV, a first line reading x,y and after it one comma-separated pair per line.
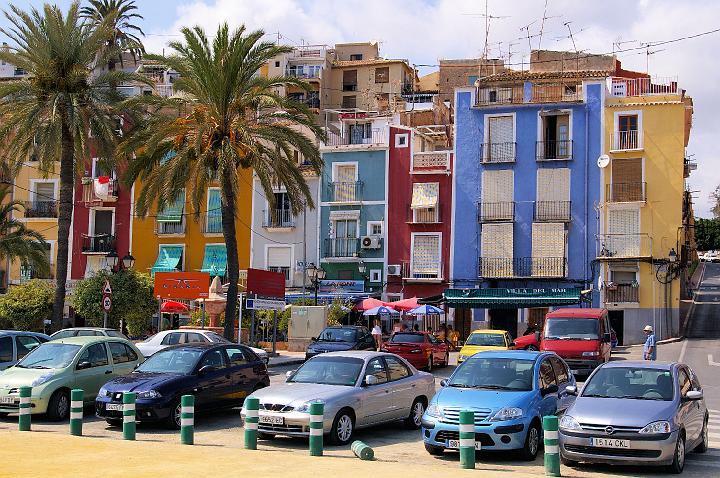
x,y
610,443
114,407
455,444
9,400
272,420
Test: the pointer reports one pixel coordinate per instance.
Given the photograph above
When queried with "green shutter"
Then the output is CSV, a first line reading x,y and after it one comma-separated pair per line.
x,y
167,157
173,212
214,213
215,260
168,259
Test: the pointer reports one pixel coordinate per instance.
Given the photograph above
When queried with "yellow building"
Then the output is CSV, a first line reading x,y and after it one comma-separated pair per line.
x,y
646,130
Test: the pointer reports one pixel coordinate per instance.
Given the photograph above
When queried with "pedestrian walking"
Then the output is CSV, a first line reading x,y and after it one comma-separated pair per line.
x,y
650,348
377,334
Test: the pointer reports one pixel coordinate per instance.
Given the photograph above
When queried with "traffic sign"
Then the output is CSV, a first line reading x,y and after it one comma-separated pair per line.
x,y
106,303
265,304
107,290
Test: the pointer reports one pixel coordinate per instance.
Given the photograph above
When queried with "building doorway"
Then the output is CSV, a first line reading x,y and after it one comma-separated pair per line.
x,y
617,322
504,319
463,322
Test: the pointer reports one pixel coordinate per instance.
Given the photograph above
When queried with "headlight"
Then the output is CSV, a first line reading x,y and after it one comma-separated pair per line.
x,y
305,407
569,423
102,392
434,411
590,354
41,379
507,413
149,394
657,427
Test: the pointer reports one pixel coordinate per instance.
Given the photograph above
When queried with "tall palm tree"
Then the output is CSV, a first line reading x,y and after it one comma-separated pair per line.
x,y
125,36
61,106
17,242
225,119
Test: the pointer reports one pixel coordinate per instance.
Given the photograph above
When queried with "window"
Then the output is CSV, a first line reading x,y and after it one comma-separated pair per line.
x,y
375,228
88,333
623,239
279,260
281,213
424,202
555,143
623,277
44,191
553,195
685,383
195,338
496,250
356,57
214,358
350,81
6,349
627,133
173,338
277,64
121,353
25,345
100,168
396,369
349,102
236,356
548,249
170,258
376,368
213,224
96,355
627,180
547,376
360,133
250,356
500,141
375,275
401,140
561,372
497,195
382,75
425,260
472,79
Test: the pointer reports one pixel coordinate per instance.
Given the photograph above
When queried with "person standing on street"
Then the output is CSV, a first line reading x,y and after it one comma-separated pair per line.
x,y
650,348
377,334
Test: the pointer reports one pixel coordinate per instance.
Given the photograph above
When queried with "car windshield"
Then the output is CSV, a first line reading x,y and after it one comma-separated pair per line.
x,y
329,371
63,334
50,355
407,338
494,374
338,335
171,361
492,340
571,328
216,338
115,333
633,383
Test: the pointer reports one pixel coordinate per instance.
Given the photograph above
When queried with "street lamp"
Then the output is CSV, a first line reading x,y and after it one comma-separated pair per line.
x,y
128,261
315,274
116,265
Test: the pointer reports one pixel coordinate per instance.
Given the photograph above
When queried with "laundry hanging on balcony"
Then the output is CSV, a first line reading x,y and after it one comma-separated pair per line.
x,y
102,187
425,195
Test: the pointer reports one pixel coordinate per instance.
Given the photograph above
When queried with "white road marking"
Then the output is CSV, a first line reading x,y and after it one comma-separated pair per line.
x,y
682,351
710,361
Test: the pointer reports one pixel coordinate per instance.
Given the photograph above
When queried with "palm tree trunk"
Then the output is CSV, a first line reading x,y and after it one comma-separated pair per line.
x,y
67,185
233,262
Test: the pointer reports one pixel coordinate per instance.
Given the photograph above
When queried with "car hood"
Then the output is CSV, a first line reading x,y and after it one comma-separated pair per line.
x,y
14,377
525,340
296,394
469,350
620,411
570,348
141,381
478,398
330,346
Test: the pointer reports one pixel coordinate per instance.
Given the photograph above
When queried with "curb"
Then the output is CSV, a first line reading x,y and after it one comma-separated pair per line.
x,y
286,362
672,340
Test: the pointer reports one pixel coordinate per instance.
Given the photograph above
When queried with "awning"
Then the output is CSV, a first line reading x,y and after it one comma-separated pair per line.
x,y
425,195
215,260
512,298
173,212
168,259
404,304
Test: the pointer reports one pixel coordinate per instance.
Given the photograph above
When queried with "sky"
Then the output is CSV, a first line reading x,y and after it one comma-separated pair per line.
x,y
424,31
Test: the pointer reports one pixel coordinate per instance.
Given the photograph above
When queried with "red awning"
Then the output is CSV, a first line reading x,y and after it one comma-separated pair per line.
x,y
405,304
367,304
173,307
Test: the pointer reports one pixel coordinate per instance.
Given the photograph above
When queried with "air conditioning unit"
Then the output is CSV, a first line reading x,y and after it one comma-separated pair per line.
x,y
370,242
394,270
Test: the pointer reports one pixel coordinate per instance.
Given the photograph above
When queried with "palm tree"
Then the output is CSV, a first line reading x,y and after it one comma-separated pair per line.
x,y
125,35
61,106
225,119
17,242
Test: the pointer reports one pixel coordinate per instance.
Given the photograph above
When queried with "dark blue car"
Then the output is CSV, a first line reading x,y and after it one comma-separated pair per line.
x,y
339,338
218,375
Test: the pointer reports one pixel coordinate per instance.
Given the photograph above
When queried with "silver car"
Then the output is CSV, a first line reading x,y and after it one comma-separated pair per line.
x,y
358,389
646,413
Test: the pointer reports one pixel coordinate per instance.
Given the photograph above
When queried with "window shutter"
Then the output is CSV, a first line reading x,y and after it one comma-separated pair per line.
x,y
496,249
627,180
44,192
278,257
426,255
624,232
497,185
500,129
553,184
548,249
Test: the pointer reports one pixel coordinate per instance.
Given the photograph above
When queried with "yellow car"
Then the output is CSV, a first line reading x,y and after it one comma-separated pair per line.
x,y
482,340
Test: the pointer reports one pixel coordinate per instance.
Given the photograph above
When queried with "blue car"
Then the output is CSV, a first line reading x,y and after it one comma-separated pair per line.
x,y
509,391
15,344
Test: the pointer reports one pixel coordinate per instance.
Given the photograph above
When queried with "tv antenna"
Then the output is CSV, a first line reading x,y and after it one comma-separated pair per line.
x,y
542,23
488,17
648,53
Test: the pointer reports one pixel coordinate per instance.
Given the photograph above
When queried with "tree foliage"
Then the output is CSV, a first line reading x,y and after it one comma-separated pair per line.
x,y
124,34
707,234
16,240
27,306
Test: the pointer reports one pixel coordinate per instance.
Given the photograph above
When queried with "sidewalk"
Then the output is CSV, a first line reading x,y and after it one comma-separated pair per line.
x,y
284,358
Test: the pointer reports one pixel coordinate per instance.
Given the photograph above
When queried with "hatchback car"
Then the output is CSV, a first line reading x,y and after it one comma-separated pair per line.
x,y
15,344
87,332
219,375
482,340
421,349
646,413
337,338
509,392
167,338
56,367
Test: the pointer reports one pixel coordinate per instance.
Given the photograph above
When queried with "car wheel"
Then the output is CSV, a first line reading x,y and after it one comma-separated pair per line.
x,y
114,422
417,410
173,420
342,428
434,450
429,365
567,462
678,462
704,439
532,442
59,406
532,348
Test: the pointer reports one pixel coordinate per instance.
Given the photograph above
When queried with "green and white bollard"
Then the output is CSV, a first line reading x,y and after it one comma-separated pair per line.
x,y
552,446
24,410
362,451
317,410
76,412
187,419
467,439
252,405
129,415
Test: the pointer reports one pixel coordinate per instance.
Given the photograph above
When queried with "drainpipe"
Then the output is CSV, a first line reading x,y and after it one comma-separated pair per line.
x,y
585,204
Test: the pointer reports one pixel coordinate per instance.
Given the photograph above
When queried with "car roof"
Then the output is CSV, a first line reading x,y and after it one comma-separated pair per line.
x,y
640,364
87,340
88,328
22,332
198,345
361,354
513,354
489,331
577,312
345,327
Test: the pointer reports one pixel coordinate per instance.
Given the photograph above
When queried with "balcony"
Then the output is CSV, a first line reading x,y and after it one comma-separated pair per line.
x,y
345,192
431,161
166,91
629,87
496,211
626,192
554,150
95,192
625,293
170,228
305,73
341,247
552,211
418,97
556,93
619,247
522,267
278,219
630,140
212,224
28,273
498,152
499,96
376,137
349,87
428,272
41,209
429,215
98,244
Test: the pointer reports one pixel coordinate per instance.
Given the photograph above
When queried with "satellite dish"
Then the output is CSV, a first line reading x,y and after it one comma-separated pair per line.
x,y
603,161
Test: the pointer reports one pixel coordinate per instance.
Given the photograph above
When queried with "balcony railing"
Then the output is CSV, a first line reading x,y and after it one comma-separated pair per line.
x,y
304,73
349,87
28,273
624,87
622,293
377,136
98,244
498,152
418,97
341,247
554,150
41,209
492,96
556,93
212,224
530,267
428,272
626,140
430,215
623,246
345,191
166,91
625,192
496,211
552,211
170,228
91,192
278,218
431,161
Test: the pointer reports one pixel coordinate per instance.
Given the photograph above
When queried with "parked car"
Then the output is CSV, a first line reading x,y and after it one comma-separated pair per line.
x,y
15,344
56,367
220,376
509,392
482,340
358,388
421,349
340,337
87,332
645,413
167,338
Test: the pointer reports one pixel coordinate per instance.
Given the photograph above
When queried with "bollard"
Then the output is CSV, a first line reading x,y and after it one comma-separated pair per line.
x,y
187,419
129,415
467,439
317,410
24,409
362,451
76,412
552,448
252,405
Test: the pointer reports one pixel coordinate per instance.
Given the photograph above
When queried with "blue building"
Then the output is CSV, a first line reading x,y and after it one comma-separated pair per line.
x,y
525,194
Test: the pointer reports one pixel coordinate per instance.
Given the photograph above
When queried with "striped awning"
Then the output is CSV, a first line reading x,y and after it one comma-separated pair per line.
x,y
173,212
498,298
168,259
215,260
425,195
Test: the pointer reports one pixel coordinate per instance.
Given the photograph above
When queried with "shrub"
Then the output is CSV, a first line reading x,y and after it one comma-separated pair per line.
x,y
26,306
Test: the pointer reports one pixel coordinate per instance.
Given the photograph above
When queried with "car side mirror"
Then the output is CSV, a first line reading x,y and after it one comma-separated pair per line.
x,y
606,337
371,380
206,369
313,339
83,365
549,389
694,395
537,336
289,374
571,390
444,382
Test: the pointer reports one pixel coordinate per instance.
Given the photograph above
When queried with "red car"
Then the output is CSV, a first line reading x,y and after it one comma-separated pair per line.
x,y
421,349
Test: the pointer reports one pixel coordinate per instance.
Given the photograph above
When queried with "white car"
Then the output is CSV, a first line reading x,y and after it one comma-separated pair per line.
x,y
166,338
